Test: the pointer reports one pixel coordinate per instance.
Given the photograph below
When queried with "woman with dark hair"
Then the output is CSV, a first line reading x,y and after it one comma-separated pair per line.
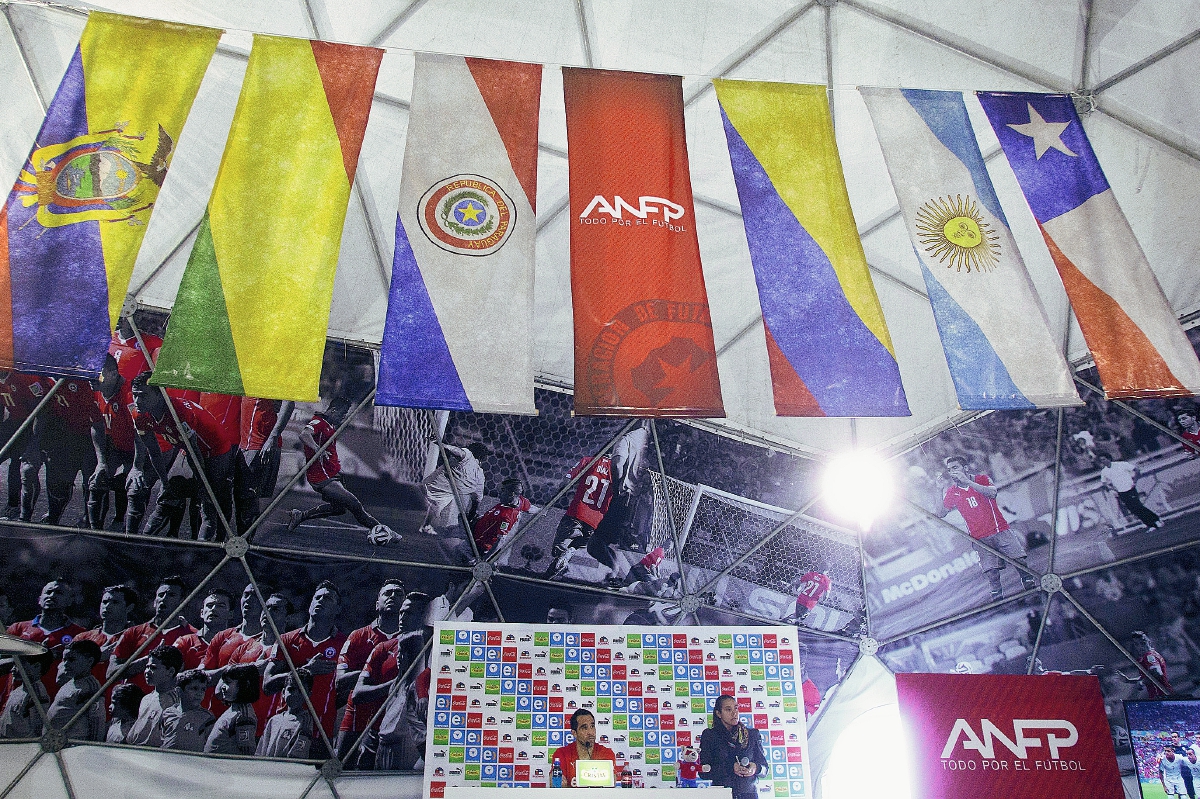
x,y
234,732
731,754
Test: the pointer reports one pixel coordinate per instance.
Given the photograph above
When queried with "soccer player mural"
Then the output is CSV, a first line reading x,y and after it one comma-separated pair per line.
x,y
366,526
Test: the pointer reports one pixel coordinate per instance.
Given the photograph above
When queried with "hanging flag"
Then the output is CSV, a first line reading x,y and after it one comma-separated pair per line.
x,y
459,330
827,341
643,335
73,224
253,306
993,327
1135,338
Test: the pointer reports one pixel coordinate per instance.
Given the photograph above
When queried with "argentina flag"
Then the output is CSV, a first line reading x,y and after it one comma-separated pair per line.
x,y
992,324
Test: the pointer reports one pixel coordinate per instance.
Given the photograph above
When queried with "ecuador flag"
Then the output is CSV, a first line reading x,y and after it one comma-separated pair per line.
x,y
253,306
827,341
72,226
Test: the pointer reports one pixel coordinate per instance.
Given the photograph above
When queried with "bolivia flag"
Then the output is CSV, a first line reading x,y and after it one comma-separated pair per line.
x,y
253,306
73,224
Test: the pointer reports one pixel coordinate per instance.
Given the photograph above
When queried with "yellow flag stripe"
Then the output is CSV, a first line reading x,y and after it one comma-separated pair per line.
x,y
277,212
789,130
139,74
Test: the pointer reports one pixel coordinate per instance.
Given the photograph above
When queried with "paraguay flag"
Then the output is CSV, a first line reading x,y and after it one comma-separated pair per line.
x,y
459,330
253,306
993,327
73,224
1138,345
827,341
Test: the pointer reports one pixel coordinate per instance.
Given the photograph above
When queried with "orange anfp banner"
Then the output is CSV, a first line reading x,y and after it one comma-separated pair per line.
x,y
643,335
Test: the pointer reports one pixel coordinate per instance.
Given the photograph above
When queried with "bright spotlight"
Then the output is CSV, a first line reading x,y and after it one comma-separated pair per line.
x,y
858,486
880,732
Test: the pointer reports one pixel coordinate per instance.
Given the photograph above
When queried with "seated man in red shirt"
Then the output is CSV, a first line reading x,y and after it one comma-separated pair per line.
x,y
324,475
584,747
212,444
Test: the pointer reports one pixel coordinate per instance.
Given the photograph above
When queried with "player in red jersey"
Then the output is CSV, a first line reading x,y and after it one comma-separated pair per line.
x,y
129,355
19,396
51,628
227,410
225,642
1189,430
1152,663
144,636
397,659
975,499
593,493
501,519
257,650
64,435
315,646
262,423
212,444
115,604
358,647
810,588
113,444
324,475
215,612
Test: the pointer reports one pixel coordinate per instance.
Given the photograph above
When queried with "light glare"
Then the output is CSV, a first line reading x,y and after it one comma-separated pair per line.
x,y
858,486
880,732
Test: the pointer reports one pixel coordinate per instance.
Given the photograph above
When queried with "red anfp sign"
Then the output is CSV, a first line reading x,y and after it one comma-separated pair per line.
x,y
1006,736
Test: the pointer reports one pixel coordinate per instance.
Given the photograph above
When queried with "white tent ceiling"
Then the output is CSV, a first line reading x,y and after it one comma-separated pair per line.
x,y
1137,57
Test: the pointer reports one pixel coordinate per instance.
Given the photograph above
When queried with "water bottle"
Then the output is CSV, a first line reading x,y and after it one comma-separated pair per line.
x,y
626,777
556,775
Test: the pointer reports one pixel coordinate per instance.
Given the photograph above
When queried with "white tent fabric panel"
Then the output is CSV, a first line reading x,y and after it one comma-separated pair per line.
x,y
100,772
43,781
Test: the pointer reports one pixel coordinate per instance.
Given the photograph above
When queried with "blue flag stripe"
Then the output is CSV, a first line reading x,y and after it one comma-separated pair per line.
x,y
415,366
58,280
946,115
845,367
980,377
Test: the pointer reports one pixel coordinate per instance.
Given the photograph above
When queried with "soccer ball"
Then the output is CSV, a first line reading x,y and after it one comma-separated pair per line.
x,y
381,534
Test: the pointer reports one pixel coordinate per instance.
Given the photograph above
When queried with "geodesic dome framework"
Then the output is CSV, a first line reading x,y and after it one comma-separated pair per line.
x,y
724,497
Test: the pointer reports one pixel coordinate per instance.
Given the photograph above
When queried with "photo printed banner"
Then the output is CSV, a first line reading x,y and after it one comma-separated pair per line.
x,y
502,697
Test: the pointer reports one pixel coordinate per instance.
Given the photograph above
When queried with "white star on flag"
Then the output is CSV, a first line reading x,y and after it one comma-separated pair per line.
x,y
1044,134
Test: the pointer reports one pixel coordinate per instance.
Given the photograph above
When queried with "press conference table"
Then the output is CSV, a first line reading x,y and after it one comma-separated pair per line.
x,y
461,792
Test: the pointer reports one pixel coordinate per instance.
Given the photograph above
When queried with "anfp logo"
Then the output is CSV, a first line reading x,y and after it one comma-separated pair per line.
x,y
646,206
985,743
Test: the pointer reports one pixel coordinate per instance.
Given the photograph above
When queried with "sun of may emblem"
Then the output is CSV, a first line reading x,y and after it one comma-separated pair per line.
x,y
952,229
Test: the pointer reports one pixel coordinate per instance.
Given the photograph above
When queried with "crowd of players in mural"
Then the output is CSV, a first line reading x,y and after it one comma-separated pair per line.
x,y
238,682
